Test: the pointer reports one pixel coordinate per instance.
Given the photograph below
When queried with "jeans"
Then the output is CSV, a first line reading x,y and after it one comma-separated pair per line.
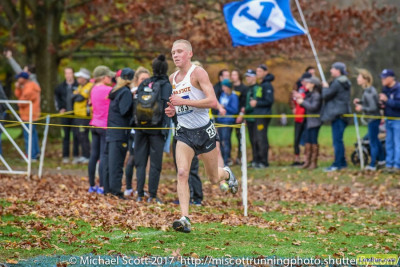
x,y
393,143
35,141
97,152
312,135
338,127
225,136
376,146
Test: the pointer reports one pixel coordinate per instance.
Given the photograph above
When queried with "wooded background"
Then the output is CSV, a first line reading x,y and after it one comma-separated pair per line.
x,y
53,34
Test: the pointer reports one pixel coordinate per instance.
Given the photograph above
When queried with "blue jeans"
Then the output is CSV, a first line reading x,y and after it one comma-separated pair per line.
x,y
225,136
35,141
338,127
393,143
311,135
377,153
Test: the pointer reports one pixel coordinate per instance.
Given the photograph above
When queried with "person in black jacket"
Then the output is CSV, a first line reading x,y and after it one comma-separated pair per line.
x,y
241,91
336,96
151,142
119,115
262,104
63,100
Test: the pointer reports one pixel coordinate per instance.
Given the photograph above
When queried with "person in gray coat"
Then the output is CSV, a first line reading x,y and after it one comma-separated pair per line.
x,y
369,105
312,104
336,96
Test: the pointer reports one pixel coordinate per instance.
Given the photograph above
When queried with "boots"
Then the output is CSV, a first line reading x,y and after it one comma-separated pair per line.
x,y
314,156
307,154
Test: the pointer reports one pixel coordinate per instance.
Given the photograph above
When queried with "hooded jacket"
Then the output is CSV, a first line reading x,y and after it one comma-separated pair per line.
x,y
119,114
29,91
392,105
336,99
265,96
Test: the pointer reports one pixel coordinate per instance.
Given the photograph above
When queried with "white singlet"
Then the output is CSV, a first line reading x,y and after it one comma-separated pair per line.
x,y
189,117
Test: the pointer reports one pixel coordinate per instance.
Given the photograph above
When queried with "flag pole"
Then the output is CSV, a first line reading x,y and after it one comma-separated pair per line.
x,y
311,41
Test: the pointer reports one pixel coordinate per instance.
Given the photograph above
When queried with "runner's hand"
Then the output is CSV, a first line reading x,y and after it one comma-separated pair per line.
x,y
170,110
177,100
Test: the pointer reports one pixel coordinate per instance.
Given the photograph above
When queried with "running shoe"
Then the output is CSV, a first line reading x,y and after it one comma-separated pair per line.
x,y
232,182
182,225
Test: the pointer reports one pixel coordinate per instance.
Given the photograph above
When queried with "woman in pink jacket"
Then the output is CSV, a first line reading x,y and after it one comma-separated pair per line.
x,y
100,103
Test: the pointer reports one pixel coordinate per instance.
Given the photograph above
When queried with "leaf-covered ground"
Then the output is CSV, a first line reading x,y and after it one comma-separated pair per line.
x,y
292,212
288,215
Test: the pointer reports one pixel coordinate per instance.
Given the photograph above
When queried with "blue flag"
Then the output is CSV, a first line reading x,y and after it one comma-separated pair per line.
x,y
252,22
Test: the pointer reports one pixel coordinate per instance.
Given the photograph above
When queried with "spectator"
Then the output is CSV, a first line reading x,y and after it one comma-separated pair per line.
x,y
336,96
262,103
369,105
310,70
30,69
230,102
3,109
222,75
63,98
141,74
253,87
390,98
241,91
151,142
312,103
299,122
100,104
29,90
119,115
80,101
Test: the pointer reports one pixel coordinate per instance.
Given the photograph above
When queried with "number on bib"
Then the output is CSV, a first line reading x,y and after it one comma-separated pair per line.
x,y
211,131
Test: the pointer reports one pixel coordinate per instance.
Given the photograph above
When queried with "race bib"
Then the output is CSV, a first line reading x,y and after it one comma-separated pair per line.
x,y
184,109
211,131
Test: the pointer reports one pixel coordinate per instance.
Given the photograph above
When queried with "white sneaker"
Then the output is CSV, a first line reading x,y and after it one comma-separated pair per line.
x,y
75,160
65,160
128,192
83,160
370,168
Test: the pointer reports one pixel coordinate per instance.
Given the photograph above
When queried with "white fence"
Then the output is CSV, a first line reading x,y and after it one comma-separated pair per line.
x,y
28,129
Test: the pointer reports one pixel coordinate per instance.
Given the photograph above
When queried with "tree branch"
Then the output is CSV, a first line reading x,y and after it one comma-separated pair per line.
x,y
87,30
11,11
78,4
32,5
89,38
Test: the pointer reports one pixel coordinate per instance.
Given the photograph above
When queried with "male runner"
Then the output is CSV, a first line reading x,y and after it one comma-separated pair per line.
x,y
192,96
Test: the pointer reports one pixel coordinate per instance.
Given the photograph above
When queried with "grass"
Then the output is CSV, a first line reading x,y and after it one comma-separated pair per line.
x,y
290,228
313,230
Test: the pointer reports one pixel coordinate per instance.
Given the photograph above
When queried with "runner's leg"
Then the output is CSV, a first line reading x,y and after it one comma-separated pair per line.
x,y
184,156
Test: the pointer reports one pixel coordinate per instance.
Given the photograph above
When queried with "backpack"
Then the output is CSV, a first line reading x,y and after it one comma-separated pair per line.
x,y
149,108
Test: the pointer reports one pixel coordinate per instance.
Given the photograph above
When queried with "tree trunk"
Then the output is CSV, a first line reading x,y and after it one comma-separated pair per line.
x,y
46,58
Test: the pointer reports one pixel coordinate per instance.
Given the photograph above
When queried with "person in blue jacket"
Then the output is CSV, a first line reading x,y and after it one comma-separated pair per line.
x,y
230,103
390,101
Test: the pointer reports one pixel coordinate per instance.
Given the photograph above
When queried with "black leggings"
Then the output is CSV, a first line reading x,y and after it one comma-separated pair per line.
x,y
97,152
298,132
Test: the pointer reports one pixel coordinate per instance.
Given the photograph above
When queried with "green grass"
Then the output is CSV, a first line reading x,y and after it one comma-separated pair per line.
x,y
298,229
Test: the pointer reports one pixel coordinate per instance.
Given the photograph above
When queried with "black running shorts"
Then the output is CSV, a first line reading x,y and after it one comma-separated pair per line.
x,y
201,140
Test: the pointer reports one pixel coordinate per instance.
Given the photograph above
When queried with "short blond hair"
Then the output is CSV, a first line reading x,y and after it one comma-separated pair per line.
x,y
139,71
185,42
367,76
